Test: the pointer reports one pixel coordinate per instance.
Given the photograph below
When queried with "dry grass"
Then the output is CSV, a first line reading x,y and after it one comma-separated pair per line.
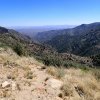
x,y
57,72
14,68
51,70
8,56
5,93
29,75
78,85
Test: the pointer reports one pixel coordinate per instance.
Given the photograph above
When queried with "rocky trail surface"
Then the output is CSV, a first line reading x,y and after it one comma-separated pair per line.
x,y
25,79
40,88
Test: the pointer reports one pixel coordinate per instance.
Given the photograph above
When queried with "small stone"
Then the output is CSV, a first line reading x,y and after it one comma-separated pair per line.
x,y
14,86
5,84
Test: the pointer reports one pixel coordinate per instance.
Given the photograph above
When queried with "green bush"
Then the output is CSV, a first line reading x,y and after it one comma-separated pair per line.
x,y
66,65
20,50
52,60
96,60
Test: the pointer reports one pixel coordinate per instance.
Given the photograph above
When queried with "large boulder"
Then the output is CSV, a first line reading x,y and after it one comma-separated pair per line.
x,y
54,83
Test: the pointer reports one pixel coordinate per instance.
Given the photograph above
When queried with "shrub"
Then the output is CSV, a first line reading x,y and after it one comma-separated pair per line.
x,y
20,50
66,65
67,89
60,73
96,60
57,72
96,73
52,60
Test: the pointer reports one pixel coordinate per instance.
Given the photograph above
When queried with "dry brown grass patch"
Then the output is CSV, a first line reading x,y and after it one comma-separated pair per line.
x,y
56,72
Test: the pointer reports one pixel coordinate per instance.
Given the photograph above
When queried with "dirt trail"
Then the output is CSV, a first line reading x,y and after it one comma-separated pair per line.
x,y
24,78
36,88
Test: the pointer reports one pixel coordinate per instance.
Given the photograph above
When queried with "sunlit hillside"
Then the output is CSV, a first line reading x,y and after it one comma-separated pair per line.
x,y
24,78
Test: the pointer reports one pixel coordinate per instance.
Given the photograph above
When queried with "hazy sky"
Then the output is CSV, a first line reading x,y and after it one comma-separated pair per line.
x,y
48,12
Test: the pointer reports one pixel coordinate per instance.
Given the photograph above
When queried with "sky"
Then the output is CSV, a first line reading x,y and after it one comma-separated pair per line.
x,y
48,12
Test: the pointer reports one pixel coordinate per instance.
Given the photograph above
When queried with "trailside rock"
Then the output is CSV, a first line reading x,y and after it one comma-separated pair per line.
x,y
54,83
5,84
14,86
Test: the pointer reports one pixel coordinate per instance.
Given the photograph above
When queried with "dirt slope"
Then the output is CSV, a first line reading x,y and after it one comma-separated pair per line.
x,y
24,78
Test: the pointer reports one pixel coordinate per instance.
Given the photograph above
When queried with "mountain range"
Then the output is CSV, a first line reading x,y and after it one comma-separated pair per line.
x,y
78,44
32,31
83,40
24,45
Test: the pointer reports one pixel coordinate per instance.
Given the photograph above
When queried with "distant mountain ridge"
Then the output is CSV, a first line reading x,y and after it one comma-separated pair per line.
x,y
82,40
3,30
78,30
12,38
32,31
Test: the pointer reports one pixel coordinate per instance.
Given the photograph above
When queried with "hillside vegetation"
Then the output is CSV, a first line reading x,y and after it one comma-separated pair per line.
x,y
23,45
31,71
24,78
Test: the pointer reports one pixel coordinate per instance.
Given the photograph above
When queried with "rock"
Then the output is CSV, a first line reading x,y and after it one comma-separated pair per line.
x,y
54,83
5,84
14,86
